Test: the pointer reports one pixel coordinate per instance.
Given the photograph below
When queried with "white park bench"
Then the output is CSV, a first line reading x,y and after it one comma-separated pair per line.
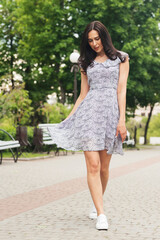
x,y
47,140
9,145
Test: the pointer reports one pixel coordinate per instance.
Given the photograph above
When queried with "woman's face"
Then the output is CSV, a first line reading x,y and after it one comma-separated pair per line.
x,y
94,41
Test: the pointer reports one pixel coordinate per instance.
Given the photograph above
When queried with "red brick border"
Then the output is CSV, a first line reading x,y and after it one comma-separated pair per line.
x,y
27,201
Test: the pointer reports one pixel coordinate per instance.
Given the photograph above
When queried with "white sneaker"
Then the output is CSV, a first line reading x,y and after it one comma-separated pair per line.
x,y
102,223
93,213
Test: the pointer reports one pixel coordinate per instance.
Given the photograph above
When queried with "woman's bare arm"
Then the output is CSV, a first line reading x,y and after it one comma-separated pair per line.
x,y
83,93
121,93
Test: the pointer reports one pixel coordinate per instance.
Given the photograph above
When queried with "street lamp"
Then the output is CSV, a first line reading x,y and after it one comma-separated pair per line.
x,y
75,68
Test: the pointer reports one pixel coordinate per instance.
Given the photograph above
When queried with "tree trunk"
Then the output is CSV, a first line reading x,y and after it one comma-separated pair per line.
x,y
147,124
135,135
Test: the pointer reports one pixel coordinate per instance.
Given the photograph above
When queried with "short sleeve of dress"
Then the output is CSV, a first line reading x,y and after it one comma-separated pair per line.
x,y
124,54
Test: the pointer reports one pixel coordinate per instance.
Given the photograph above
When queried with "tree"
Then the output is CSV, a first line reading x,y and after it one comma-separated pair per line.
x,y
46,43
17,106
8,42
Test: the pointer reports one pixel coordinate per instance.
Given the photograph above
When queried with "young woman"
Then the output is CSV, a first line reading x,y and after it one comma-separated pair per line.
x,y
96,124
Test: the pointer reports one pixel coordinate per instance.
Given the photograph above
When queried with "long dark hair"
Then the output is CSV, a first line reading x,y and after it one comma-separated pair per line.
x,y
87,54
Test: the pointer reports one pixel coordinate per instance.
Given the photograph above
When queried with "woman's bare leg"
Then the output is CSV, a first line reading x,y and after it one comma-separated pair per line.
x,y
104,171
94,179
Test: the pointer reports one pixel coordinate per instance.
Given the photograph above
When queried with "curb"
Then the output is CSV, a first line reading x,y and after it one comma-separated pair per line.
x,y
42,157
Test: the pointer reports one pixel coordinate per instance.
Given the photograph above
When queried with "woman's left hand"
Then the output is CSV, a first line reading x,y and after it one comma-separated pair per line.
x,y
121,129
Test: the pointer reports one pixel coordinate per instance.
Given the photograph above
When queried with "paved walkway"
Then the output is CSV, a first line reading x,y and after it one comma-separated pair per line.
x,y
49,199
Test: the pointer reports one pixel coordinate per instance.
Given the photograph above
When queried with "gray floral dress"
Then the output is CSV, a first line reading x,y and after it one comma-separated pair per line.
x,y
93,125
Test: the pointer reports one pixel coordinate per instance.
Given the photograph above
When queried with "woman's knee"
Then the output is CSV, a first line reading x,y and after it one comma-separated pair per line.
x,y
93,163
94,167
104,170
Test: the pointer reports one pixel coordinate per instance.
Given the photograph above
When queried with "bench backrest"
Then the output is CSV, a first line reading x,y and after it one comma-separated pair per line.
x,y
46,134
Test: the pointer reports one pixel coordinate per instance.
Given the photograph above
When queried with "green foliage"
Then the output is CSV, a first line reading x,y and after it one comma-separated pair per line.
x,y
46,42
54,113
16,106
7,124
8,42
153,130
154,127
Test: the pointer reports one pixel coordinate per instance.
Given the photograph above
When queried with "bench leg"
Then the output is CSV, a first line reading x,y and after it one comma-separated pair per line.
x,y
15,155
49,149
56,152
64,152
1,157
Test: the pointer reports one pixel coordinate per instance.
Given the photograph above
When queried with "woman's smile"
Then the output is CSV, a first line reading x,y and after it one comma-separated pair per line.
x,y
96,48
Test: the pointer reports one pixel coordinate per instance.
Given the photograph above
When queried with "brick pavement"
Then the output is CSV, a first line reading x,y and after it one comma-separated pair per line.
x,y
60,210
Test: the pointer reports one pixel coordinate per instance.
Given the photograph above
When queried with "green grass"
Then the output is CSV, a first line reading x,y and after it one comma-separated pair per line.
x,y
26,155
7,154
141,146
146,146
